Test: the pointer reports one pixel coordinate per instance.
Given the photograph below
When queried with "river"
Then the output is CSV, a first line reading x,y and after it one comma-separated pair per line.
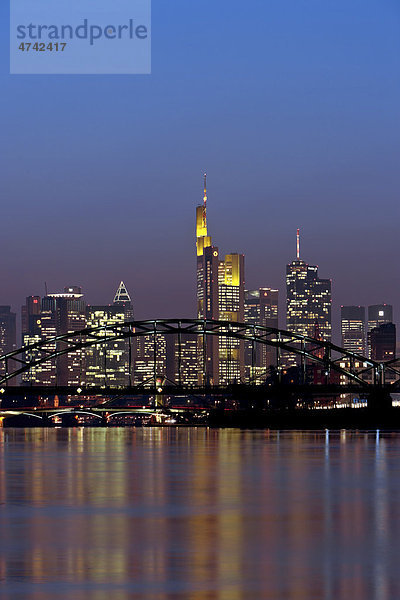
x,y
199,514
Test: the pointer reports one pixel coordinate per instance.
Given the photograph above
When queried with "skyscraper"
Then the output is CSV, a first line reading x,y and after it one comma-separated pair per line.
x,y
182,363
8,335
108,364
150,359
122,298
39,323
353,328
31,333
378,314
220,295
207,287
67,311
231,308
29,311
308,299
383,342
260,308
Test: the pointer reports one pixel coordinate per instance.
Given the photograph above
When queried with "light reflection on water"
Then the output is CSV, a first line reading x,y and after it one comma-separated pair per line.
x,y
191,513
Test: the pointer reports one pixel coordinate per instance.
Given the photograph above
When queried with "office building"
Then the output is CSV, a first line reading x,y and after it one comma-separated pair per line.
x,y
207,288
8,335
150,360
353,329
29,313
66,313
383,342
231,308
109,363
182,367
220,296
260,308
31,333
123,300
378,314
309,299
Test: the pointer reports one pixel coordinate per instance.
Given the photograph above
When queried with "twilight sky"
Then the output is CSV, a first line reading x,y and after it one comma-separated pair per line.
x,y
291,106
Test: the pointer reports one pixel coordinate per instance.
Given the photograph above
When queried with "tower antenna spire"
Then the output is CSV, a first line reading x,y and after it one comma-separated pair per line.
x,y
298,244
205,189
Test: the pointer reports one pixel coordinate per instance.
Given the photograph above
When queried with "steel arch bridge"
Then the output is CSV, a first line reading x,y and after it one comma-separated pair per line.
x,y
354,368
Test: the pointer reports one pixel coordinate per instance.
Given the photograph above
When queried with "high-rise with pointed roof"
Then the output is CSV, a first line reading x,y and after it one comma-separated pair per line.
x,y
207,265
220,295
207,285
109,365
122,296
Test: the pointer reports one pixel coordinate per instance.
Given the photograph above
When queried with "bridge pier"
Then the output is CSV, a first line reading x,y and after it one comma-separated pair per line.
x,y
160,397
46,422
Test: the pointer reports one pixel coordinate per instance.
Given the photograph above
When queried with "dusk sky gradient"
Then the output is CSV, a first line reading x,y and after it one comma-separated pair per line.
x,y
291,106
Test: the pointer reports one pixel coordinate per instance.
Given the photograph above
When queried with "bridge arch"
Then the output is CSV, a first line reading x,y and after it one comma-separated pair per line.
x,y
326,354
72,411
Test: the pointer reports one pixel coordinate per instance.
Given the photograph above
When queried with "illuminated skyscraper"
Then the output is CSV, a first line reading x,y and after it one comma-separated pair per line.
x,y
308,299
108,364
353,328
122,298
150,359
47,372
260,308
231,308
379,314
67,310
220,295
8,335
182,363
29,311
207,286
31,333
39,323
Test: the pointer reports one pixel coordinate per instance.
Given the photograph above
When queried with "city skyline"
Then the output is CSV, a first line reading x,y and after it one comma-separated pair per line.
x,y
142,283
294,114
202,224
221,295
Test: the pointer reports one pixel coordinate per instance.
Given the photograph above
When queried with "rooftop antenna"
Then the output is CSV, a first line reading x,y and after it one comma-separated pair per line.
x,y
298,244
205,190
45,288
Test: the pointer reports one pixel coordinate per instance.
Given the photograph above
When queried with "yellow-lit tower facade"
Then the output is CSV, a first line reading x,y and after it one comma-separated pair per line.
x,y
207,289
231,308
220,296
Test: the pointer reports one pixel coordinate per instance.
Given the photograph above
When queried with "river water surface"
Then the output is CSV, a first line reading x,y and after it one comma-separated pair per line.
x,y
219,514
